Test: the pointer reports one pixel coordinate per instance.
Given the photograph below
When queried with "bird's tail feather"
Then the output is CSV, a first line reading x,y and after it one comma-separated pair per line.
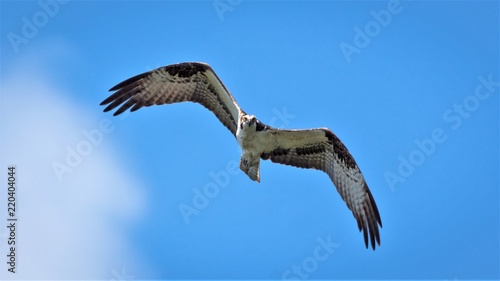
x,y
251,169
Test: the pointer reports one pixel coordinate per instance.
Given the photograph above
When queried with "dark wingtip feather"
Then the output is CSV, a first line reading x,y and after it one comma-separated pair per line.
x,y
372,240
106,101
119,111
109,99
114,88
130,81
108,108
365,236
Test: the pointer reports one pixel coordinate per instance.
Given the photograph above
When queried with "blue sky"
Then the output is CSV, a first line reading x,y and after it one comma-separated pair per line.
x,y
411,88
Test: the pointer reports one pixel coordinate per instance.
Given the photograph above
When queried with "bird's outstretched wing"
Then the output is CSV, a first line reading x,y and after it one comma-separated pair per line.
x,y
320,149
191,81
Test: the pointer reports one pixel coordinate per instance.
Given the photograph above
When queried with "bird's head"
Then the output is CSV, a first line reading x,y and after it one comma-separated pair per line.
x,y
248,120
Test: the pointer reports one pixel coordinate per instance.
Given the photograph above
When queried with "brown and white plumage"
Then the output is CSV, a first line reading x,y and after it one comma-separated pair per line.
x,y
320,149
194,82
314,148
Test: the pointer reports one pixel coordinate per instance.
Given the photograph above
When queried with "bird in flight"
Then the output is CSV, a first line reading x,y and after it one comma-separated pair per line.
x,y
318,148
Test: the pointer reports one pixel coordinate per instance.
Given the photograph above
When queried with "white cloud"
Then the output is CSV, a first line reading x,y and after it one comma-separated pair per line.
x,y
69,229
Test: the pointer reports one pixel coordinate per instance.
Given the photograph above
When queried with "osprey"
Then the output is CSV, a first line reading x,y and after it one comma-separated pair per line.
x,y
313,148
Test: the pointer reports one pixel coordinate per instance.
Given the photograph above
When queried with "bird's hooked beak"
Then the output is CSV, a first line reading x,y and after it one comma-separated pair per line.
x,y
249,120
